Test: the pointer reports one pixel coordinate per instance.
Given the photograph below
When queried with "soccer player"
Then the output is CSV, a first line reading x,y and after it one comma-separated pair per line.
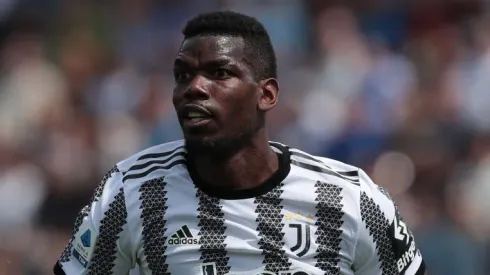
x,y
226,200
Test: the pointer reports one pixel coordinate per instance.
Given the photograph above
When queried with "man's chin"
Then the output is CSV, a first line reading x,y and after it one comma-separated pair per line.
x,y
201,144
216,143
212,145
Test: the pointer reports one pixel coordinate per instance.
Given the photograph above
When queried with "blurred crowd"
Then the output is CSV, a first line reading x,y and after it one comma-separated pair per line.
x,y
397,87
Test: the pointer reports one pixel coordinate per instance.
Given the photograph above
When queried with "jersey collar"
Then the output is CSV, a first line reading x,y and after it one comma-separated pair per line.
x,y
275,179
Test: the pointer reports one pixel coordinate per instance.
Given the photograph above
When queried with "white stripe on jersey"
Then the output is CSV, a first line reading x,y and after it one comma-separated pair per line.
x,y
301,215
135,226
242,236
181,211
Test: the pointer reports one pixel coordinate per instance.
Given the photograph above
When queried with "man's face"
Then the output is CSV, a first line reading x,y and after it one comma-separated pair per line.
x,y
216,95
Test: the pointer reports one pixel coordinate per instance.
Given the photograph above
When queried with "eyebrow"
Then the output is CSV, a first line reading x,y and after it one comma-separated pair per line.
x,y
211,63
179,62
217,62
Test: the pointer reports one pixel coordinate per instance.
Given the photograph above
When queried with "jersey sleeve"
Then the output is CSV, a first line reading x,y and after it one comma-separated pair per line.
x,y
100,243
384,245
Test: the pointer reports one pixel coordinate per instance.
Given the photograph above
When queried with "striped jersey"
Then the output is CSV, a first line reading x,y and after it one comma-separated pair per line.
x,y
152,213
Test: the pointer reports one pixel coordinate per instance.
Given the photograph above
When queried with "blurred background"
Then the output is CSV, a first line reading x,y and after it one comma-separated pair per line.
x,y
397,87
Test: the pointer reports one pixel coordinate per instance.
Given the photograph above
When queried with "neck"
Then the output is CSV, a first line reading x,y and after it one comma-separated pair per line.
x,y
244,168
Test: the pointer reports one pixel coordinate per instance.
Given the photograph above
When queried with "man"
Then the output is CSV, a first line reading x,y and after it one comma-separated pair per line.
x,y
226,200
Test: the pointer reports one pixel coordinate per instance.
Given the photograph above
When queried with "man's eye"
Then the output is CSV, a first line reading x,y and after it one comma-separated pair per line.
x,y
181,76
221,74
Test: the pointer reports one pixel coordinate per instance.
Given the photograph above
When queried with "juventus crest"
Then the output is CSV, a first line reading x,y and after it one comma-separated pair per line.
x,y
303,238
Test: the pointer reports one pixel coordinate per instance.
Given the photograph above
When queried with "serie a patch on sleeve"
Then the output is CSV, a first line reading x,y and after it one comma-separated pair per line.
x,y
83,245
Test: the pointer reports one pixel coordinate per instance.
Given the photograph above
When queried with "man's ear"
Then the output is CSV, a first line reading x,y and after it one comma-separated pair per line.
x,y
269,94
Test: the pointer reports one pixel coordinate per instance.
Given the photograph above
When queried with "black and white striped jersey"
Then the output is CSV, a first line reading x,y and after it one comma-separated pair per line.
x,y
153,213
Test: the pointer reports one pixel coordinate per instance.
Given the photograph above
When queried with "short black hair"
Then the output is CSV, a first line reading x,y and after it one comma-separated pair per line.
x,y
258,45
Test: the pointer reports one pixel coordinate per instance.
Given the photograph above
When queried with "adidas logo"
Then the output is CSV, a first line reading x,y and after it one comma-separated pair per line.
x,y
182,236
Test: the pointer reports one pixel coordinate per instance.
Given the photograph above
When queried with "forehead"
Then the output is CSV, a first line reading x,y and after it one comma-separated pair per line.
x,y
211,47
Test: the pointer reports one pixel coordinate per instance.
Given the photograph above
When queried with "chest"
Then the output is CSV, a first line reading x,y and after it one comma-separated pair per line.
x,y
192,233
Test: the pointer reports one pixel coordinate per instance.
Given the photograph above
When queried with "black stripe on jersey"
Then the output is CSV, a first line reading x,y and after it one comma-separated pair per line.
x,y
154,168
154,205
354,173
329,223
319,169
159,155
377,225
65,256
111,225
156,161
212,233
308,157
270,228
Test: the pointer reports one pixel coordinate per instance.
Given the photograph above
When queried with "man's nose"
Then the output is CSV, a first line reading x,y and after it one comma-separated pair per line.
x,y
198,88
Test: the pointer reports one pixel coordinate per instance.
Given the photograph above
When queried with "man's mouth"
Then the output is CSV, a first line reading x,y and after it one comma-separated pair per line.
x,y
195,115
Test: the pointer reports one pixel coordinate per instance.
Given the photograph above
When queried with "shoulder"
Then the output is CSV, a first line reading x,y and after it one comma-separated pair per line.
x,y
155,152
316,167
355,180
156,161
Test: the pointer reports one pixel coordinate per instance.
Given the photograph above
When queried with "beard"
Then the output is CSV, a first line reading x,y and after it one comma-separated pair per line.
x,y
226,145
